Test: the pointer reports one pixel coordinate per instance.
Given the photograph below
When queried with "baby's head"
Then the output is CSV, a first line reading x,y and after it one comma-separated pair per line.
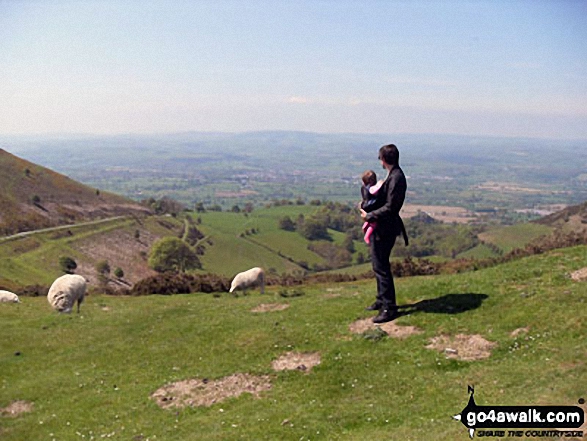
x,y
369,178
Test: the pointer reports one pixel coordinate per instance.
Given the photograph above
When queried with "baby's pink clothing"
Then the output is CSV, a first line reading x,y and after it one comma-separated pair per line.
x,y
369,227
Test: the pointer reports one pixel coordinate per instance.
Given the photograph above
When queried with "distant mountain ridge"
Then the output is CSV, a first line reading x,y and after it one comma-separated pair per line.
x,y
33,197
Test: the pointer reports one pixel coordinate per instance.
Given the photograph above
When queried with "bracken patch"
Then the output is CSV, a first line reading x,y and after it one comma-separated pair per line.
x,y
462,347
390,328
296,361
204,392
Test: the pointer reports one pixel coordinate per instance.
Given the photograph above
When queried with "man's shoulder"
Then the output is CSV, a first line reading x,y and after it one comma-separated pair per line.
x,y
397,174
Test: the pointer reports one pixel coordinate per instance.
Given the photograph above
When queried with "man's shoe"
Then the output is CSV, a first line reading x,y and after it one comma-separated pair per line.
x,y
386,315
374,307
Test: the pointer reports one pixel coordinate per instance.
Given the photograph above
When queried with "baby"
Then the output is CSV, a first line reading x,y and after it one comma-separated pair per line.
x,y
369,191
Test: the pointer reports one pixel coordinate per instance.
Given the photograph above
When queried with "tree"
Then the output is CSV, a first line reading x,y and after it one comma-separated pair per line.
x,y
103,267
349,244
103,270
172,254
119,273
67,264
314,229
285,223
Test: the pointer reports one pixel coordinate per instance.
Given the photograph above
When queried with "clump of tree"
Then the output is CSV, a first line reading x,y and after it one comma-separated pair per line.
x,y
330,215
286,223
173,254
334,255
165,205
190,233
103,271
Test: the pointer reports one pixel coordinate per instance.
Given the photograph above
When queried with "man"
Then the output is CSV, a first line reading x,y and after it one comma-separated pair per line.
x,y
385,212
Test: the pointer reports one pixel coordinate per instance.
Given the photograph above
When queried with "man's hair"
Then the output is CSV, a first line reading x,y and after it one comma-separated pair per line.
x,y
390,154
369,177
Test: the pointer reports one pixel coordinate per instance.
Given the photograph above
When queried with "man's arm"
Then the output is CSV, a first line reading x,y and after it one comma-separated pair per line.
x,y
396,193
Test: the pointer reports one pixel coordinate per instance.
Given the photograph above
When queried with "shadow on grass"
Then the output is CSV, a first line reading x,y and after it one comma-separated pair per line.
x,y
447,304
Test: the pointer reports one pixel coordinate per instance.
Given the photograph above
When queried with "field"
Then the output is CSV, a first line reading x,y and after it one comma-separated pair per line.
x,y
515,236
472,172
269,246
92,376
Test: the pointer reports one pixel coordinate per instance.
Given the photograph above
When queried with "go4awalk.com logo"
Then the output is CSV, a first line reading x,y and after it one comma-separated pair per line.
x,y
521,421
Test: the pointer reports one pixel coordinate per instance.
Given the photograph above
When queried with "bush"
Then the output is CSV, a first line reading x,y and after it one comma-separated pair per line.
x,y
171,283
173,254
32,291
67,264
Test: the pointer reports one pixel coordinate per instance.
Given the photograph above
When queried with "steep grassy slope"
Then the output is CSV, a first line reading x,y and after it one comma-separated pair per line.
x,y
514,236
35,259
241,242
90,376
33,197
572,218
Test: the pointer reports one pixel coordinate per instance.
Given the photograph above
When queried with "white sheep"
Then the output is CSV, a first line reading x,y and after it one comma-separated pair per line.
x,y
8,297
254,276
65,291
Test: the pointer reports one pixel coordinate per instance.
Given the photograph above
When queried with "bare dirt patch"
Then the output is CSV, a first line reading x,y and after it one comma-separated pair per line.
x,y
462,346
203,392
519,331
16,408
579,275
297,361
390,328
270,307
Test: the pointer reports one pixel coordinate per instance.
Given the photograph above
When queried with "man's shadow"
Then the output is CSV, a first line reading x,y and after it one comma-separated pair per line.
x,y
447,304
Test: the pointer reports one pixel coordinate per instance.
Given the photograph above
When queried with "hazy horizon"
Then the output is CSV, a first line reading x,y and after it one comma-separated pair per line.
x,y
472,68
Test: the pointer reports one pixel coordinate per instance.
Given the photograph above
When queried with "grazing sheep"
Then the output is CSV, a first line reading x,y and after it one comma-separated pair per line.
x,y
65,291
8,297
254,276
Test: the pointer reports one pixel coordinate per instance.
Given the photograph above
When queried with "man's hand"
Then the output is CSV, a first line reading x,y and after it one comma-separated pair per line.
x,y
363,214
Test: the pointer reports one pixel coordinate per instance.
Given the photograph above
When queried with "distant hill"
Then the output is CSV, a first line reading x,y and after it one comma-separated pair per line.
x,y
572,218
33,197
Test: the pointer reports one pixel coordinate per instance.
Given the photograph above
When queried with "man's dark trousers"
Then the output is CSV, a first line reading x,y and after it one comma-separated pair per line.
x,y
381,246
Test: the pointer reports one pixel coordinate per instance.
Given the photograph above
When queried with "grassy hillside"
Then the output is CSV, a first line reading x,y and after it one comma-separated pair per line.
x,y
91,376
33,197
572,218
34,259
514,236
242,241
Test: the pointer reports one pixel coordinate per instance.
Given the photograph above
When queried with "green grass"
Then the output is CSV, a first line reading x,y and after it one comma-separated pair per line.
x,y
35,259
515,236
269,247
90,376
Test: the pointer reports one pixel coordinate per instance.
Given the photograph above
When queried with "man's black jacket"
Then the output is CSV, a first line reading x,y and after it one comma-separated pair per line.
x,y
390,199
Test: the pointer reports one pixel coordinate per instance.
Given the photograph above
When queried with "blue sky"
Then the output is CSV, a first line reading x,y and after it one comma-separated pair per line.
x,y
499,68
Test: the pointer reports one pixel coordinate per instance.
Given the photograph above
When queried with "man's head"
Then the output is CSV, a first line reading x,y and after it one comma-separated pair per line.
x,y
389,154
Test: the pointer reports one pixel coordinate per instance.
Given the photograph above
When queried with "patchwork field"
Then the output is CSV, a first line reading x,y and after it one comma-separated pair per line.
x,y
266,367
438,212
